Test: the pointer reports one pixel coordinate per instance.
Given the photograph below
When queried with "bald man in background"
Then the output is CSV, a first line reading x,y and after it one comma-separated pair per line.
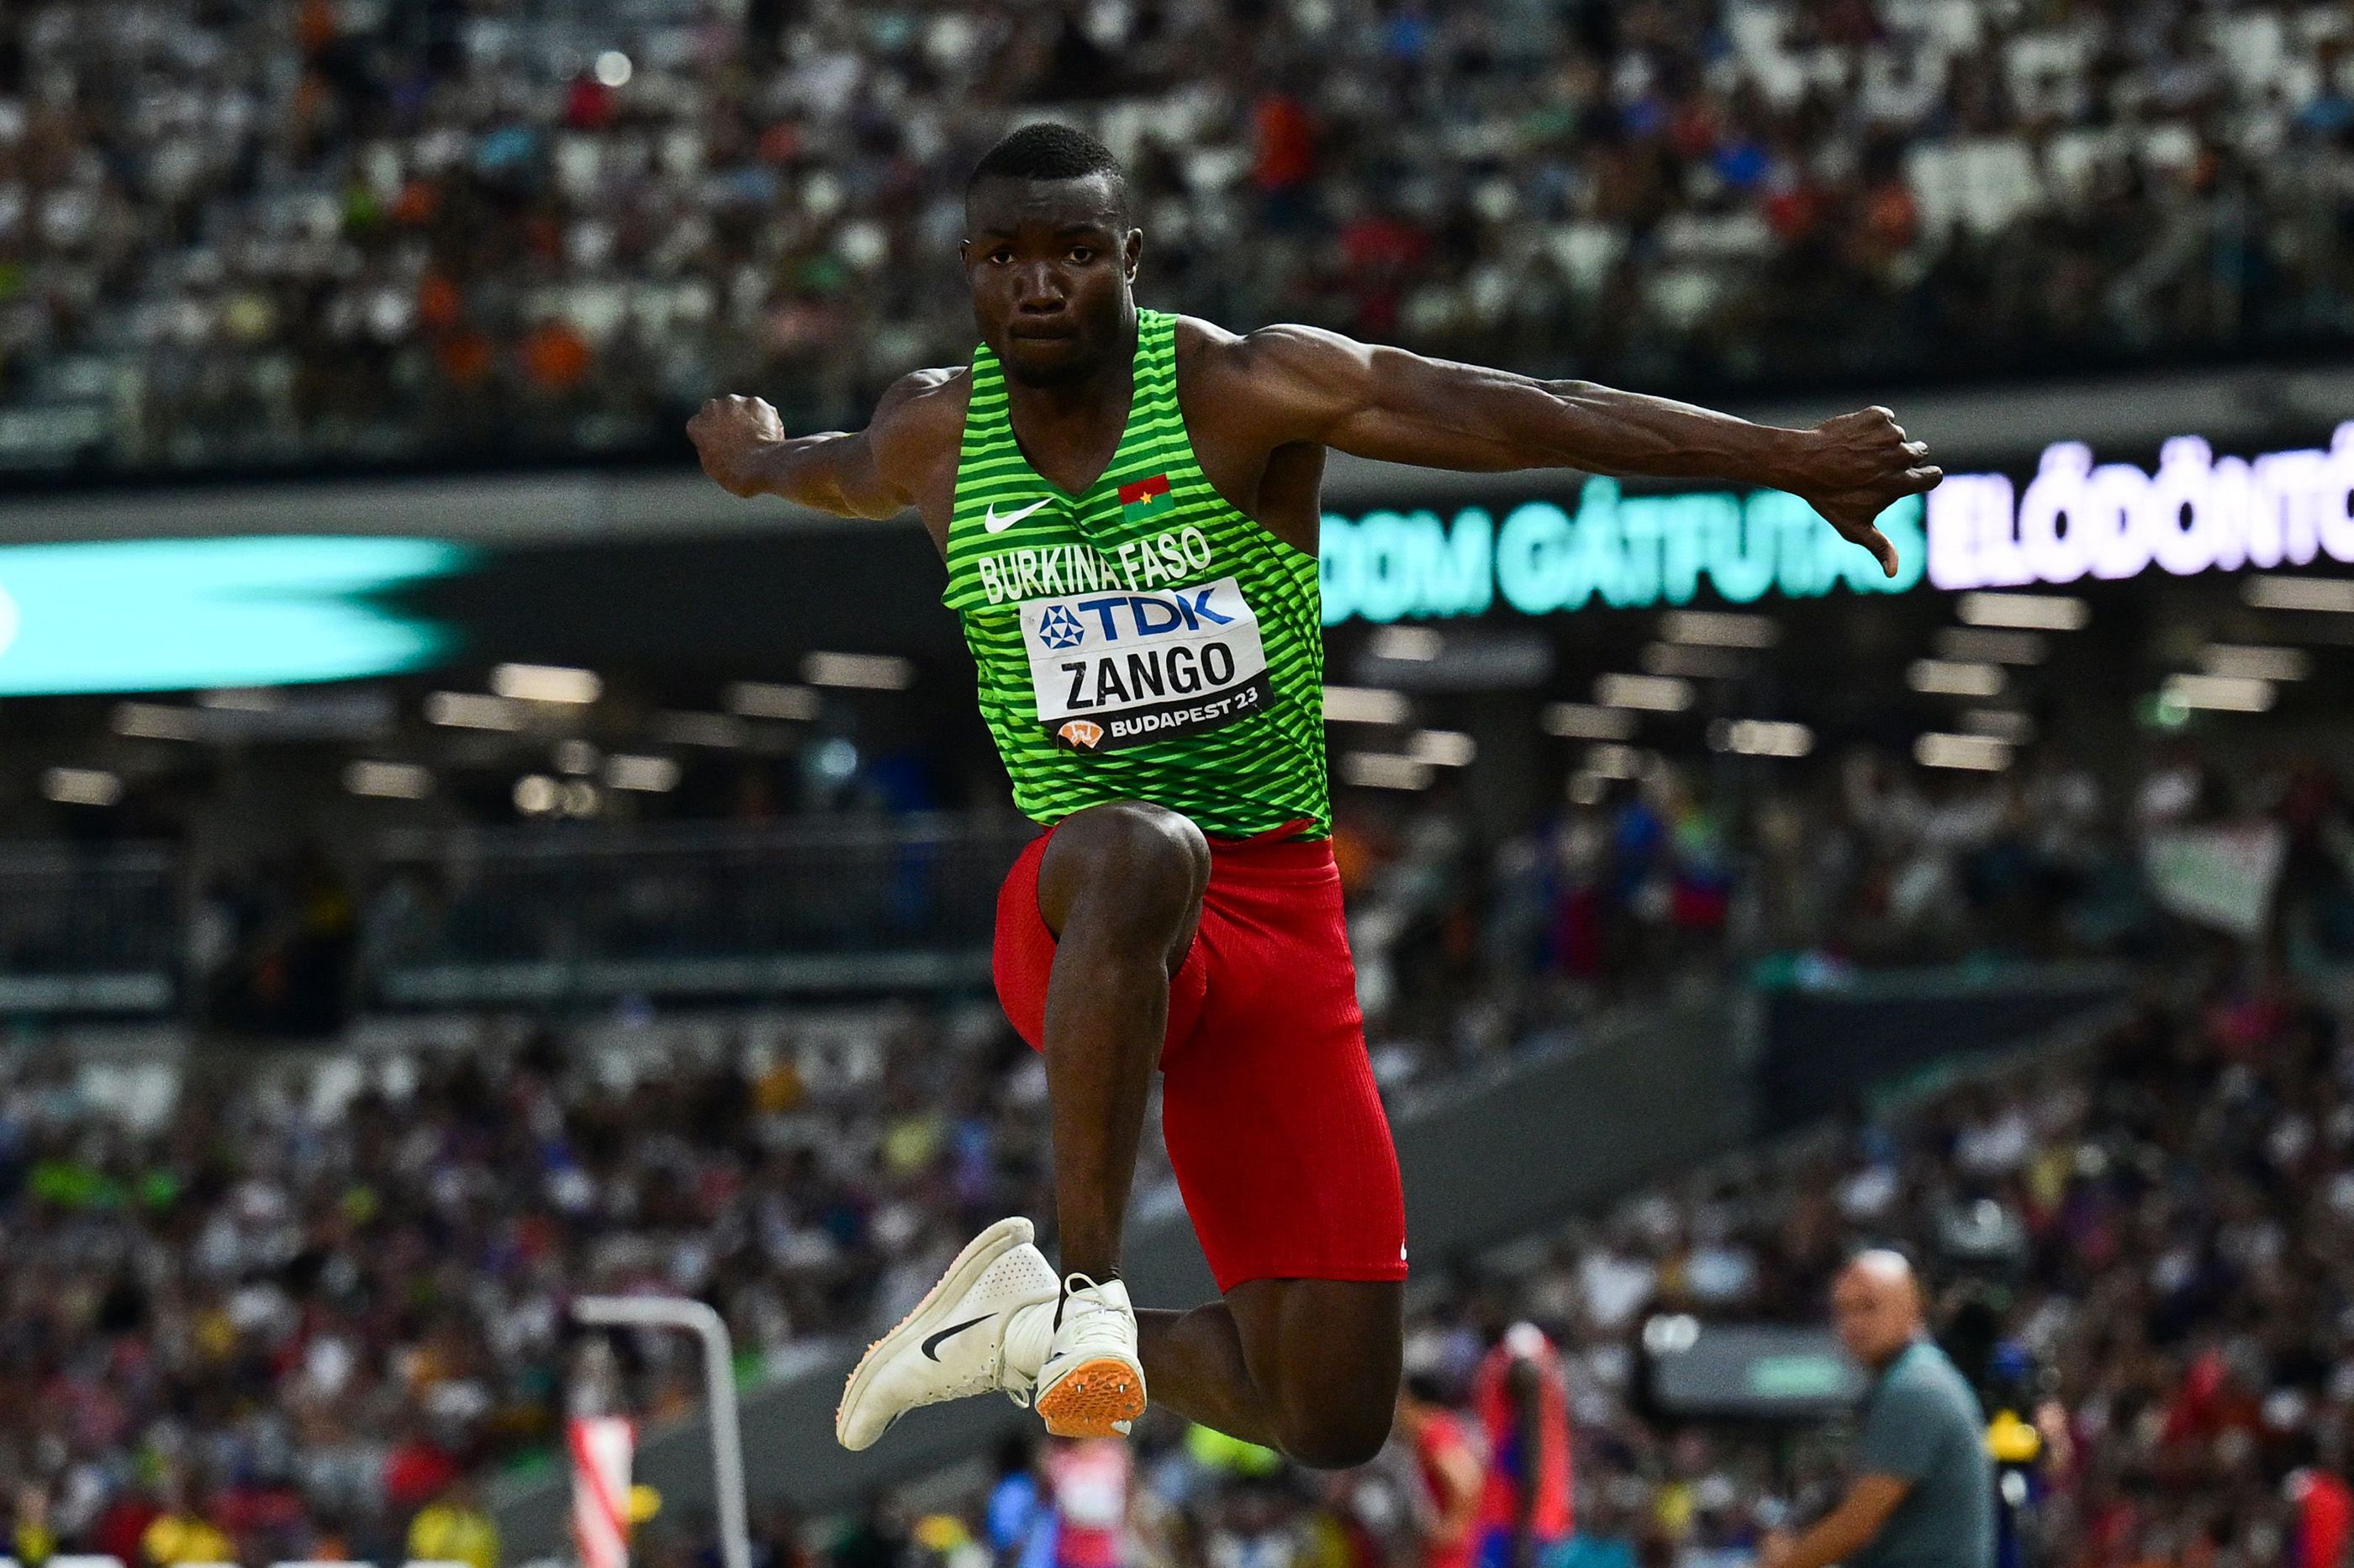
x,y
1922,1495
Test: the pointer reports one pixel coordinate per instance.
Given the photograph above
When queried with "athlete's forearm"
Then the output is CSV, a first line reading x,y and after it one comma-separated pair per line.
x,y
829,472
745,452
1577,424
1392,405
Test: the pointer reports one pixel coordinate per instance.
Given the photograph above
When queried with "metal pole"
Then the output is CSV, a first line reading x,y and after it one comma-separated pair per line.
x,y
719,1389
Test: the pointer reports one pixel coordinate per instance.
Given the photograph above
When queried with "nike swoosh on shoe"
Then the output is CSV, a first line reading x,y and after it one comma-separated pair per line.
x,y
932,1345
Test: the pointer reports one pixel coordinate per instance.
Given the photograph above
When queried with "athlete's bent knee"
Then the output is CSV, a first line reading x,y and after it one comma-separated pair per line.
x,y
1141,867
1340,1437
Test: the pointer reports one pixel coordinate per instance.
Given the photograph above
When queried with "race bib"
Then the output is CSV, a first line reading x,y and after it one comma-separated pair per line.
x,y
1114,669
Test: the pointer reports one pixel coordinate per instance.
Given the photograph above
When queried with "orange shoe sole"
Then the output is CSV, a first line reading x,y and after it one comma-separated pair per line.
x,y
1093,1400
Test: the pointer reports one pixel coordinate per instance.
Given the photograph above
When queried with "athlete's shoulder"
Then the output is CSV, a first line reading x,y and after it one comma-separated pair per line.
x,y
1278,346
923,403
1286,375
1210,349
919,419
1195,335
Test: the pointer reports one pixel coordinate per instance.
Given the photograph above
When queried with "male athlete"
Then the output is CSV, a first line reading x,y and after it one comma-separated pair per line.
x,y
1128,503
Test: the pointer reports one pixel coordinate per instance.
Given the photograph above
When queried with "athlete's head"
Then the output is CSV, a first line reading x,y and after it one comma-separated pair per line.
x,y
1050,251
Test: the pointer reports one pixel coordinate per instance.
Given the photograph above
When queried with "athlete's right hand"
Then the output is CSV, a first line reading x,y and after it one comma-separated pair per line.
x,y
733,435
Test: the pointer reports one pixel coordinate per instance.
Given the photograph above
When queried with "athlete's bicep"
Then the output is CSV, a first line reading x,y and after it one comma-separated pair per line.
x,y
1304,383
878,471
839,473
911,444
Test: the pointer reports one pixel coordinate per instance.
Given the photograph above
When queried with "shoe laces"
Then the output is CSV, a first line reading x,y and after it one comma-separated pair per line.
x,y
1103,1322
1077,1286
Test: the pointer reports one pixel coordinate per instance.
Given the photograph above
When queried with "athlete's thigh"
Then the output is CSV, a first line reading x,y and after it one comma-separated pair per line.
x,y
1282,1153
1272,1120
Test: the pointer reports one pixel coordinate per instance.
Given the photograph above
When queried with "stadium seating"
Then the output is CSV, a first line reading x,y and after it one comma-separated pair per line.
x,y
346,1047
298,232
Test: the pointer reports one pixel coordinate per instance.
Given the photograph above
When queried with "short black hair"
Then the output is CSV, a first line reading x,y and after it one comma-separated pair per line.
x,y
1046,151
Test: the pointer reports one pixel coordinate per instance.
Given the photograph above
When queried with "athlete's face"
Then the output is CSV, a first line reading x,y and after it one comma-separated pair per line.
x,y
1050,263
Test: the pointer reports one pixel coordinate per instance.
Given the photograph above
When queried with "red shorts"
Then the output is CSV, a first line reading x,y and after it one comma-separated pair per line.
x,y
1268,1103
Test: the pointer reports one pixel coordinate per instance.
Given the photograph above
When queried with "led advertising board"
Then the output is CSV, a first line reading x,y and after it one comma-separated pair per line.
x,y
184,614
1753,1372
1602,548
2198,512
1613,550
179,614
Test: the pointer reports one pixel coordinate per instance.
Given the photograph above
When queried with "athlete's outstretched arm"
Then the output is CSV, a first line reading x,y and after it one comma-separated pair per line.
x,y
1386,403
865,473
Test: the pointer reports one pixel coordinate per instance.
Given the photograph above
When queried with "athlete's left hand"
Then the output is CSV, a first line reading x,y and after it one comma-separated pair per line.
x,y
1853,467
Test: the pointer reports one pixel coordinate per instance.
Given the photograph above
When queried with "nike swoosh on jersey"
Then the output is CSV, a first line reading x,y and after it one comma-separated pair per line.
x,y
932,1345
994,524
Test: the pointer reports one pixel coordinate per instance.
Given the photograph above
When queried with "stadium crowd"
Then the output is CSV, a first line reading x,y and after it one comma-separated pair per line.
x,y
304,1304
275,1317
1689,876
2139,1251
260,1313
274,232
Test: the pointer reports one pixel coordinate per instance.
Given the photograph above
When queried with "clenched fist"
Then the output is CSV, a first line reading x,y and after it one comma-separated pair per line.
x,y
1853,467
734,436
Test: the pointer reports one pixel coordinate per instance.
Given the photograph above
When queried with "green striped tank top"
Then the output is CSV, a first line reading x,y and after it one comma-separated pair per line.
x,y
1145,640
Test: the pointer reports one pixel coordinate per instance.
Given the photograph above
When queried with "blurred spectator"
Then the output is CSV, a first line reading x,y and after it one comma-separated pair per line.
x,y
182,1533
1091,1482
1448,1466
879,1538
1521,1402
454,1529
1922,1490
1020,1520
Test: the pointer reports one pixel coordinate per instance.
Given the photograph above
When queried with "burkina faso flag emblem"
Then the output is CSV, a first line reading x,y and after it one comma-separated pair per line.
x,y
1146,499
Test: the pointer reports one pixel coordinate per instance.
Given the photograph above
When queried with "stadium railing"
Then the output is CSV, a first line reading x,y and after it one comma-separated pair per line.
x,y
547,915
89,930
509,915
